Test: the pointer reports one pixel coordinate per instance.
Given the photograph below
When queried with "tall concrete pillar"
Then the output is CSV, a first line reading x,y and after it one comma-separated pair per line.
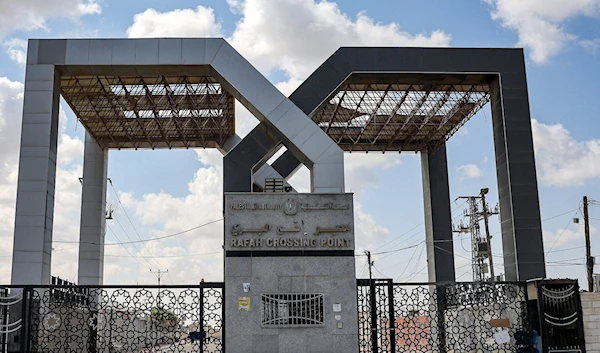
x,y
37,175
93,220
522,241
438,218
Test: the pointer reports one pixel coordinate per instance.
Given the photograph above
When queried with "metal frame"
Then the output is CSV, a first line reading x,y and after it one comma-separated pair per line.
x,y
385,300
68,293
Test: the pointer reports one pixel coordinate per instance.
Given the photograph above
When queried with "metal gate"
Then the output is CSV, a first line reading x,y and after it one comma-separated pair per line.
x,y
440,317
63,318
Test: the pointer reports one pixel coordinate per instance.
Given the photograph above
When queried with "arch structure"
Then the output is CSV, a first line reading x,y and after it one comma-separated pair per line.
x,y
140,93
415,99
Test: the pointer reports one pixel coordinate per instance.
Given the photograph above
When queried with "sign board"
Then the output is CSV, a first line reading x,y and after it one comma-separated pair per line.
x,y
500,322
286,221
244,304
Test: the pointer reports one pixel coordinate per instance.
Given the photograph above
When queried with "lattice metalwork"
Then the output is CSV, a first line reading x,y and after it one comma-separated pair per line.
x,y
398,117
126,319
291,310
462,317
149,112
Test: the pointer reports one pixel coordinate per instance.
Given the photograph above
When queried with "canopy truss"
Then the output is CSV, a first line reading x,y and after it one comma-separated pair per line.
x,y
398,117
150,112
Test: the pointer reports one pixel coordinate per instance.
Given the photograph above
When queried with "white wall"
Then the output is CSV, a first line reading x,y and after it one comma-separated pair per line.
x,y
591,321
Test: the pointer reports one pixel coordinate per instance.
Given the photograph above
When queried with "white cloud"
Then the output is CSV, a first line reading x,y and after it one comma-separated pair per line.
x,y
16,49
200,22
291,36
469,171
32,14
590,44
561,160
540,24
297,36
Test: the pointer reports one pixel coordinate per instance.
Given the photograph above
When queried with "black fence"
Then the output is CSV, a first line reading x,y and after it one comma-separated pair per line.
x,y
434,317
67,318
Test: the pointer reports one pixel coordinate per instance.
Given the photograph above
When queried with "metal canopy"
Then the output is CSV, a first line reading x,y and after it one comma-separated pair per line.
x,y
382,112
151,111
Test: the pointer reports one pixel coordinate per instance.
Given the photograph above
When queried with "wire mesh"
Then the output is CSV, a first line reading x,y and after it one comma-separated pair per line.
x,y
149,112
398,117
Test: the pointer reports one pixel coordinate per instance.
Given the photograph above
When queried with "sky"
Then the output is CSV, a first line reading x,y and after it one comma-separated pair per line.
x,y
164,192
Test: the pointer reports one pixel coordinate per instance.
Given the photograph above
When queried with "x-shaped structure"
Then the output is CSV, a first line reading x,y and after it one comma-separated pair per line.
x,y
169,93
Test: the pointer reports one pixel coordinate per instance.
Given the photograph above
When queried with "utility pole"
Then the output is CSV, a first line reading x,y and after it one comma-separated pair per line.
x,y
488,236
480,246
368,253
159,274
589,260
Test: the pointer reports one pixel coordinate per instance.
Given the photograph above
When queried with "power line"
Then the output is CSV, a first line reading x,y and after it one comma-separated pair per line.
x,y
124,247
128,238
176,256
130,222
563,231
141,241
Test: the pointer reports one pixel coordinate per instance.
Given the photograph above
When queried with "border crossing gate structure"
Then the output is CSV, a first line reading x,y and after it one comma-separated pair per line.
x,y
180,93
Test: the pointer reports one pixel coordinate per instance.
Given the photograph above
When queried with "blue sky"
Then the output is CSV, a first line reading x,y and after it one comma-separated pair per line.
x,y
169,191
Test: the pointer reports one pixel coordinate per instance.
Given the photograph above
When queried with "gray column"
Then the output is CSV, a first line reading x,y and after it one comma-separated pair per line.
x,y
93,220
438,218
37,174
522,242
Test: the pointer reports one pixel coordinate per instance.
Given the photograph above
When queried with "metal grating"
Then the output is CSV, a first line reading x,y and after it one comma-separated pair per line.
x,y
291,310
150,112
398,117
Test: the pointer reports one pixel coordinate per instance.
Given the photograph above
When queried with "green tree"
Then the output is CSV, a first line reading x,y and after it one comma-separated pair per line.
x,y
164,316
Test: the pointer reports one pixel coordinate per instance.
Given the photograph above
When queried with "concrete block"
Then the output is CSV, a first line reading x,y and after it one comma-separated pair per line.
x,y
316,145
333,155
193,51
32,85
280,111
101,52
52,51
328,176
39,73
211,48
27,256
34,169
78,52
310,129
146,51
292,123
38,101
32,51
31,203
123,52
169,51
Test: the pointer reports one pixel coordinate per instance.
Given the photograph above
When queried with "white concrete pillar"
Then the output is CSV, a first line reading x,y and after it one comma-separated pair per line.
x,y
32,249
93,220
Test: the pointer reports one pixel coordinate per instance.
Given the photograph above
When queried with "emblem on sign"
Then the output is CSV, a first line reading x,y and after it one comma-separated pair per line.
x,y
291,207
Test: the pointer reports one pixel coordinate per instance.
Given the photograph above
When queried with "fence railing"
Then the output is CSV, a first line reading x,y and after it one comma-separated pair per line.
x,y
443,317
67,318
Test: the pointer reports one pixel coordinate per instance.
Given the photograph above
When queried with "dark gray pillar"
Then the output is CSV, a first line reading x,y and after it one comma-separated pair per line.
x,y
238,164
522,242
438,218
287,164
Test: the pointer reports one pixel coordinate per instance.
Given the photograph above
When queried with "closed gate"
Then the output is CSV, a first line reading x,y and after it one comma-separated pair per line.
x,y
61,318
435,317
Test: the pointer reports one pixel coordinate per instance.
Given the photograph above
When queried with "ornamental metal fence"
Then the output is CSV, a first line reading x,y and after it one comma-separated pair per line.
x,y
67,318
443,317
